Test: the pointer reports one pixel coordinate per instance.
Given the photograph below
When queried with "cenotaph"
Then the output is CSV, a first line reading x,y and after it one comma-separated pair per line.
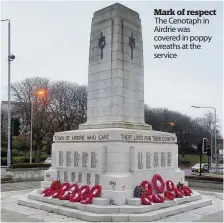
x,y
114,148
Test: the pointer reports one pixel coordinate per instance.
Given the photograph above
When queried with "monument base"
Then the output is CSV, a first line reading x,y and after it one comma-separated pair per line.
x,y
102,211
117,159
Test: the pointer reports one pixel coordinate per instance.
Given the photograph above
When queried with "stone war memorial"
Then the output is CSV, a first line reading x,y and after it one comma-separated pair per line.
x,y
115,167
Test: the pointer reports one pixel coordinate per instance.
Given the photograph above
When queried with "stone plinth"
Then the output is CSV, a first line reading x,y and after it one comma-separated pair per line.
x,y
117,159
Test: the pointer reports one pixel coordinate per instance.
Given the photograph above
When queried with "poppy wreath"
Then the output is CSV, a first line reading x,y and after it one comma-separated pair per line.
x,y
64,195
47,192
87,200
169,185
169,195
84,190
147,186
146,199
73,188
159,189
187,191
75,197
178,192
96,191
55,185
64,187
187,188
157,198
55,194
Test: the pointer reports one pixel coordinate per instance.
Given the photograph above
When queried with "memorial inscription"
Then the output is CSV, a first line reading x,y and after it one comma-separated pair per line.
x,y
76,159
156,159
163,159
140,161
84,159
73,176
80,177
61,158
169,159
93,159
88,177
148,160
68,158
123,137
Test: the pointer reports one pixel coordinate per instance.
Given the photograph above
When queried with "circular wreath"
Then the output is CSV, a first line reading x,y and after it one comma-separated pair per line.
x,y
84,190
146,199
47,192
147,186
169,185
64,195
75,197
178,192
96,191
55,194
87,200
55,185
157,198
159,188
73,188
64,187
169,195
186,190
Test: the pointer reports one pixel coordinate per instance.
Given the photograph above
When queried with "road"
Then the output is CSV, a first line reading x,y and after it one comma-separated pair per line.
x,y
20,186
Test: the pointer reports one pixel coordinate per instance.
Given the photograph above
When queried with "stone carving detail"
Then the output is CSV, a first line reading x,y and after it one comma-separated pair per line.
x,y
58,175
132,44
84,159
163,159
76,159
88,178
61,158
169,159
97,179
68,158
65,176
73,176
156,160
148,160
140,161
94,162
80,178
102,43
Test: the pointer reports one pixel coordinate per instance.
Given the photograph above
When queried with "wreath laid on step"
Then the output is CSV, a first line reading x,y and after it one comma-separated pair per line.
x,y
169,195
170,185
178,192
64,187
87,199
147,187
96,191
146,199
158,183
157,198
73,188
64,195
75,197
55,185
84,190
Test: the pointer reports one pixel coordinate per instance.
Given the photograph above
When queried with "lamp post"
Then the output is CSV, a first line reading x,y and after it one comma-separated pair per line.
x,y
10,58
31,132
41,94
214,131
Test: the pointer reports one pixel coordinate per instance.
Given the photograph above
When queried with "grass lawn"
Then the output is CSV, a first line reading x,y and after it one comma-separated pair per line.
x,y
194,158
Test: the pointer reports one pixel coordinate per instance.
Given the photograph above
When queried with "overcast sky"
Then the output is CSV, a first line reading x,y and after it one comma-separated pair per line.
x,y
51,39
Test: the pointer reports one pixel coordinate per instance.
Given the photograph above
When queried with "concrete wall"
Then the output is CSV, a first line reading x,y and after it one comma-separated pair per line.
x,y
25,174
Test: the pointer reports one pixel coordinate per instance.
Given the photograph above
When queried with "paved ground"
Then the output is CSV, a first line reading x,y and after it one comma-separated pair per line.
x,y
11,212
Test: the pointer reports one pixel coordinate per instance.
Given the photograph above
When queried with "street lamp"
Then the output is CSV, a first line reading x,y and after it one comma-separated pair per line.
x,y
215,133
40,93
10,58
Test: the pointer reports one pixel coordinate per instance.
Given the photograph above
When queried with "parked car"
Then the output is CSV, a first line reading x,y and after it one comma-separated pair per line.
x,y
48,160
204,168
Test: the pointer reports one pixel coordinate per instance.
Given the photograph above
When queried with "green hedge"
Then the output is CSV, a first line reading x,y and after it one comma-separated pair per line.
x,y
30,165
20,159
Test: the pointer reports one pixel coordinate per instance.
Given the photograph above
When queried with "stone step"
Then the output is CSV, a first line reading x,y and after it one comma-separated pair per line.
x,y
93,217
113,209
97,200
137,201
